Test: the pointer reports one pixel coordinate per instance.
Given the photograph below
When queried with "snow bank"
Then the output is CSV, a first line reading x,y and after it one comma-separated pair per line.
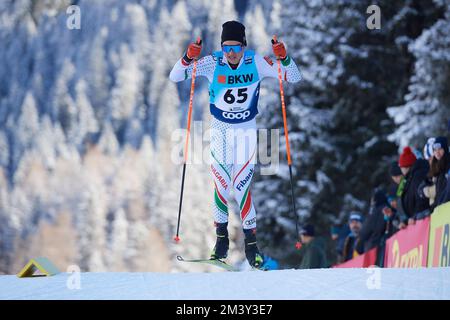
x,y
426,283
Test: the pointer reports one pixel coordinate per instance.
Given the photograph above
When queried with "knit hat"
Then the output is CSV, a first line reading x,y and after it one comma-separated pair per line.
x,y
233,30
441,142
395,169
407,158
355,216
307,230
428,148
379,197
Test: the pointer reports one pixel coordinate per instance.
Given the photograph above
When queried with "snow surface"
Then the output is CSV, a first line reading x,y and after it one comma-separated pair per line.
x,y
424,283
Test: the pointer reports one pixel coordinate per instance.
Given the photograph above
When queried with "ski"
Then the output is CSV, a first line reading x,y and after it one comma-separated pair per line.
x,y
213,262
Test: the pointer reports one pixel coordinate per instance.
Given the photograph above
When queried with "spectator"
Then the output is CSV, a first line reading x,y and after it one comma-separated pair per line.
x,y
428,150
398,178
335,232
393,216
395,192
338,234
392,203
427,188
440,166
391,226
313,249
374,227
447,192
355,224
411,205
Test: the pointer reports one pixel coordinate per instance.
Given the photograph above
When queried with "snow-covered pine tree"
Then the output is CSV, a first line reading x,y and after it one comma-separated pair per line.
x,y
4,151
218,13
338,126
256,30
426,110
23,132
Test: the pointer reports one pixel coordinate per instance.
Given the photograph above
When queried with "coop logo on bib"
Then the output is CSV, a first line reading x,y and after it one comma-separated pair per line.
x,y
236,115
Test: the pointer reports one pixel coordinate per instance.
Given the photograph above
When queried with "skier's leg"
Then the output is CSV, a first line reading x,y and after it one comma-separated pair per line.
x,y
254,257
220,169
245,148
243,170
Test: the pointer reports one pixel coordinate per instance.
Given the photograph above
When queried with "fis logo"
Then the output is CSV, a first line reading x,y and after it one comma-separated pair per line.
x,y
243,182
242,78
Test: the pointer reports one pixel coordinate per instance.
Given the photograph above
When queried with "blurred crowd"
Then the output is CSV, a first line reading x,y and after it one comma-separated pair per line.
x,y
419,182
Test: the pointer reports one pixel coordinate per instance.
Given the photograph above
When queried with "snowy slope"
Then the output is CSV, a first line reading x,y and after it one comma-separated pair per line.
x,y
430,283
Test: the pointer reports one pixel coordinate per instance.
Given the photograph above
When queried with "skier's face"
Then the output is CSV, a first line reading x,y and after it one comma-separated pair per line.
x,y
233,57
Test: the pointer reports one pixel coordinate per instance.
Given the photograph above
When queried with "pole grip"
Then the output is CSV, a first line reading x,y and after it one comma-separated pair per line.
x,y
283,110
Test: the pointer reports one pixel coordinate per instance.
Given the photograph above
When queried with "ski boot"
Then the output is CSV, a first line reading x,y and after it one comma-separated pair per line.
x,y
220,250
254,257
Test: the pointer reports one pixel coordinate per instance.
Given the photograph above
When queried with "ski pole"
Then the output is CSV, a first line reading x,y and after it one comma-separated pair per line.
x,y
191,99
288,149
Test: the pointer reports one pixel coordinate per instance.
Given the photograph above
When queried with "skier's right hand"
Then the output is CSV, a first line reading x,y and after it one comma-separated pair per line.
x,y
279,50
194,50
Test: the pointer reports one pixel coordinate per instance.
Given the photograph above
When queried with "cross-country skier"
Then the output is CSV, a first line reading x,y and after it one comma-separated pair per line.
x,y
234,75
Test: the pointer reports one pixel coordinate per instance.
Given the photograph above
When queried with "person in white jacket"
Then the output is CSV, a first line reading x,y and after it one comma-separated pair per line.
x,y
234,75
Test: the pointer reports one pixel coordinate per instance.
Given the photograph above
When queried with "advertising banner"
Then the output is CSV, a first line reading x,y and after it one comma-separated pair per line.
x,y
408,248
365,260
439,244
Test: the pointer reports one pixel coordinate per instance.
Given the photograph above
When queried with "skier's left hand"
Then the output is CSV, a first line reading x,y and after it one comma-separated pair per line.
x,y
278,49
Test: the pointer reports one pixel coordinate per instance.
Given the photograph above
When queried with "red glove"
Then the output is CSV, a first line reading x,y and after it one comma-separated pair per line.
x,y
279,50
194,49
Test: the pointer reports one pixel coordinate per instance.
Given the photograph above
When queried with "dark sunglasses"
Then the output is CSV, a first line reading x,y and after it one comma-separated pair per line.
x,y
236,48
